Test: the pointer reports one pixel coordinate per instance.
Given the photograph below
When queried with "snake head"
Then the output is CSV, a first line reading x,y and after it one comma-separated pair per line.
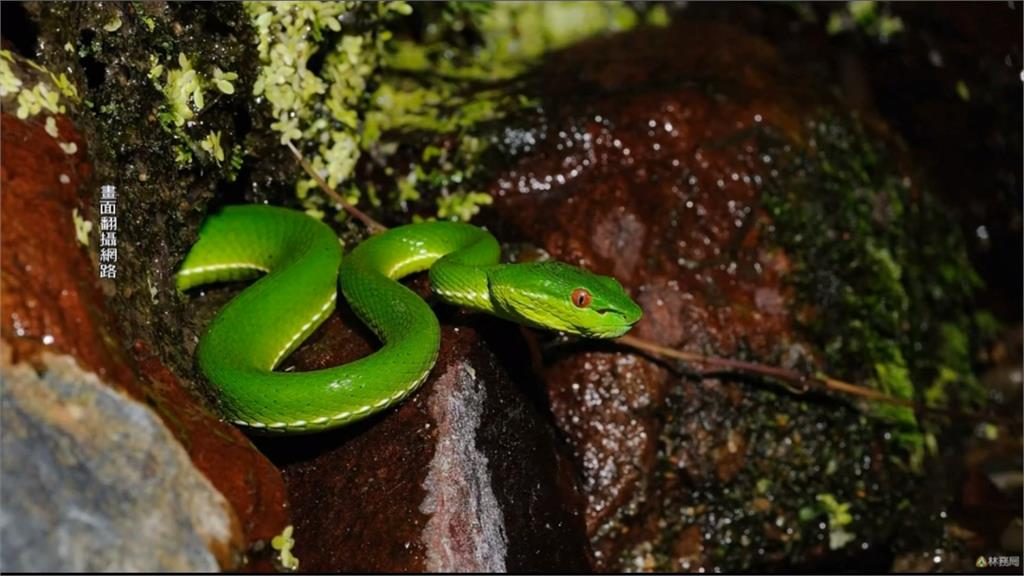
x,y
561,297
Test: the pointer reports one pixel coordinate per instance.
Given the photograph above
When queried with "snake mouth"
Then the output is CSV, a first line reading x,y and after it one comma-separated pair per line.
x,y
616,324
614,315
626,319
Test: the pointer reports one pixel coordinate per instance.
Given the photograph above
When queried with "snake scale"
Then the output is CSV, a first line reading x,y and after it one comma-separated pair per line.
x,y
298,264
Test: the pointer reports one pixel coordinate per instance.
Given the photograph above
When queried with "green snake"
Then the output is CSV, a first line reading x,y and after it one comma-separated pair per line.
x,y
300,261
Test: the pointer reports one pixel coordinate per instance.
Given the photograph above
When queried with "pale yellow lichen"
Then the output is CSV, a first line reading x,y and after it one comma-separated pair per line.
x,y
866,16
65,86
462,206
222,80
156,69
212,146
51,127
82,228
328,114
114,24
321,109
40,97
182,89
514,36
9,82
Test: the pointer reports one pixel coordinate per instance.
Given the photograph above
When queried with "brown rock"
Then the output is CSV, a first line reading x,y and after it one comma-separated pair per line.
x,y
463,476
656,152
688,548
659,189
729,459
54,301
611,400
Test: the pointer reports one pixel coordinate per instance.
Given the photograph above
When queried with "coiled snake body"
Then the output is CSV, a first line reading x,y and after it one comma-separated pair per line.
x,y
300,260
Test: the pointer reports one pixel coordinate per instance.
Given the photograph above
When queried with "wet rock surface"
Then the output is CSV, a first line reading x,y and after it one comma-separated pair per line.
x,y
463,476
666,175
53,301
120,492
966,144
662,157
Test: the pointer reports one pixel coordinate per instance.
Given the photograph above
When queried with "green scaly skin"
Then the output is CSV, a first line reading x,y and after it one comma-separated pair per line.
x,y
300,260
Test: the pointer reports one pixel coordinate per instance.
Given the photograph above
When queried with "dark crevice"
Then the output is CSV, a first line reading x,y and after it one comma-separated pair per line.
x,y
17,29
95,71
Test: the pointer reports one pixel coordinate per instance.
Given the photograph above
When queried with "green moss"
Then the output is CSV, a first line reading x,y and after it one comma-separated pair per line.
x,y
375,88
462,206
516,33
884,279
986,325
809,480
954,368
427,87
893,378
839,518
512,35
284,543
866,17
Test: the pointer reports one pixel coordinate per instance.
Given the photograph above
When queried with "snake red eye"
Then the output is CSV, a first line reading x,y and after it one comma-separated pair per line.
x,y
580,298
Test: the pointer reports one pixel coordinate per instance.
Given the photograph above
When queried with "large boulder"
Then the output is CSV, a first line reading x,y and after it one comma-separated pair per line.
x,y
753,219
54,302
465,476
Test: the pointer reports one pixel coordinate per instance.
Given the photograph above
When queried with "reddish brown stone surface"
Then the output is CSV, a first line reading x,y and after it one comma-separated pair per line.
x,y
48,294
249,481
52,299
654,173
463,476
659,188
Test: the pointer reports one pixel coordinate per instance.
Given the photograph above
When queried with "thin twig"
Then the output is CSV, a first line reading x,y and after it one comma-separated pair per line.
x,y
373,226
803,381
